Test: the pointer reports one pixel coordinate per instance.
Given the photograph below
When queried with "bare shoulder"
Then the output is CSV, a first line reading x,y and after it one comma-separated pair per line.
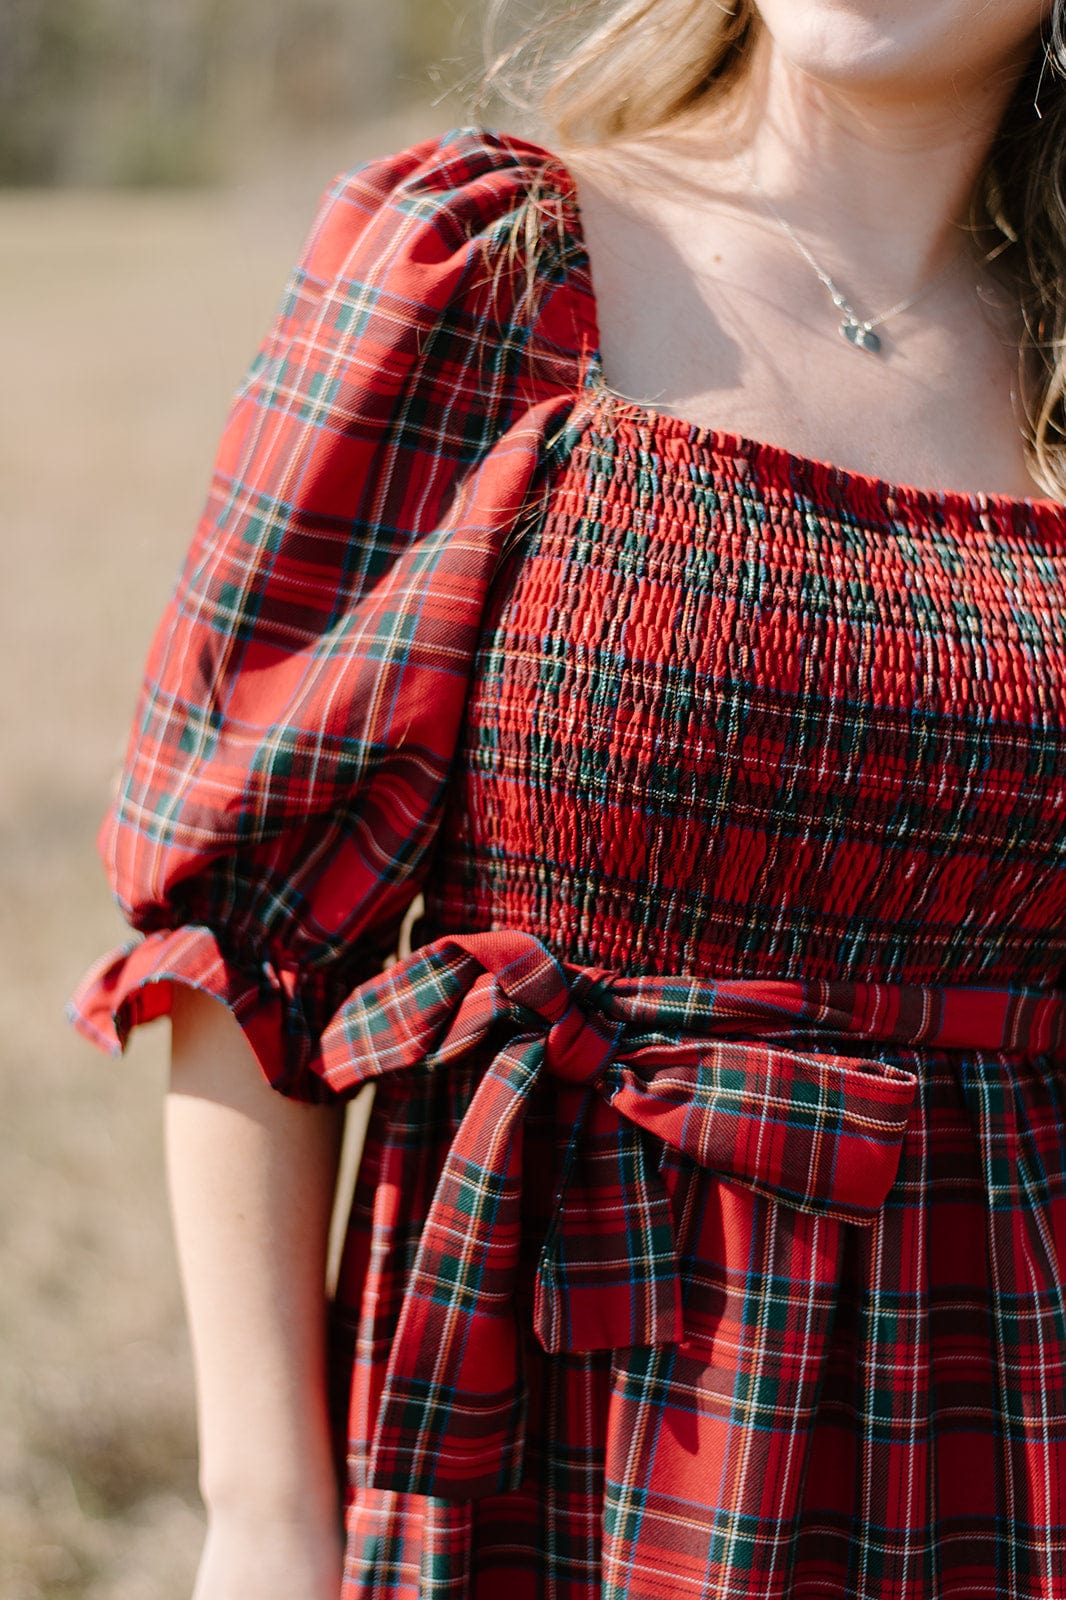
x,y
650,178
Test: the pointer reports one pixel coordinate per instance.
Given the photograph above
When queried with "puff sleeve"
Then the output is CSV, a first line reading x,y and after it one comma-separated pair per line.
x,y
306,684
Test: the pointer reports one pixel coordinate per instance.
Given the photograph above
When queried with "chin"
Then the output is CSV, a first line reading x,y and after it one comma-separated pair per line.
x,y
900,46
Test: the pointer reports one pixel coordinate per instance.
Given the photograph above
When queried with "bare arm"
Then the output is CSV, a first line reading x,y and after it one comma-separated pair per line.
x,y
252,1179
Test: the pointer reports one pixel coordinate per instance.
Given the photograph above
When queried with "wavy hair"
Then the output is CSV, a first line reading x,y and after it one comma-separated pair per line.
x,y
597,71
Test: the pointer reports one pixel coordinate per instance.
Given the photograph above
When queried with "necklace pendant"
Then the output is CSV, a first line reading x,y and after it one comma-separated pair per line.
x,y
862,337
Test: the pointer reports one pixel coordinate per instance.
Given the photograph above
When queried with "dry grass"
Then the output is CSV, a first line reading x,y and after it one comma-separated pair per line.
x,y
127,321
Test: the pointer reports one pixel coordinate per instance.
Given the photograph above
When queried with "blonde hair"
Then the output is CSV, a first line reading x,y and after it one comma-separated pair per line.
x,y
639,65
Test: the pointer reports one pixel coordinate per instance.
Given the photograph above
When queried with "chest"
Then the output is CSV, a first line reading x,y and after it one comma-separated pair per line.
x,y
728,706
702,321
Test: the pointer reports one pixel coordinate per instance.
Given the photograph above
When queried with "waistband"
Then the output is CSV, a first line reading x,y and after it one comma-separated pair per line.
x,y
750,1078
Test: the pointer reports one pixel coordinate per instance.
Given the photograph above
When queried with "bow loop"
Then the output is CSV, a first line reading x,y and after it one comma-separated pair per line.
x,y
816,1133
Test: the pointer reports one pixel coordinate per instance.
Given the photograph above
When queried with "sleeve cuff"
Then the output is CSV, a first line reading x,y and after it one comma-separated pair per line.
x,y
134,985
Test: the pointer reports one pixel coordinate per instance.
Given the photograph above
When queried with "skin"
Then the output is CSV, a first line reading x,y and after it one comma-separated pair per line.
x,y
867,125
252,1178
899,51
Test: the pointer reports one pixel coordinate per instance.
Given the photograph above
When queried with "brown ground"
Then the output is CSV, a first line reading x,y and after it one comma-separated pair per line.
x,y
126,321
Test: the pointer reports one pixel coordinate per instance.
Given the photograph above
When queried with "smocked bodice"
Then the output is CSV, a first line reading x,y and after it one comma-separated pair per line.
x,y
735,712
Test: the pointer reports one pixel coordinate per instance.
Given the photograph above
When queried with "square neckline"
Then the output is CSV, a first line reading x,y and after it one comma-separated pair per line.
x,y
783,464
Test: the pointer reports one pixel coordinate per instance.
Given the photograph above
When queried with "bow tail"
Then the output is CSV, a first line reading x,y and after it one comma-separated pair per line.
x,y
451,1418
607,1277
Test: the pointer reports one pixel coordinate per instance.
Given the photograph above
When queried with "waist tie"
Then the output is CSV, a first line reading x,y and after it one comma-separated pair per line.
x,y
746,1077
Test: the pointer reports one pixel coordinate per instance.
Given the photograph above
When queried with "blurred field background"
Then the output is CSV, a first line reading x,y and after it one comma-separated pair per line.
x,y
160,161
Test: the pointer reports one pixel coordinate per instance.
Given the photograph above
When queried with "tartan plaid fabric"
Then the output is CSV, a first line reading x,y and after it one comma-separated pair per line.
x,y
305,686
708,1231
816,1132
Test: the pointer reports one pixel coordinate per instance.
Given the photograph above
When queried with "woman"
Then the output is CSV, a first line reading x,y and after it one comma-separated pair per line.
x,y
707,1232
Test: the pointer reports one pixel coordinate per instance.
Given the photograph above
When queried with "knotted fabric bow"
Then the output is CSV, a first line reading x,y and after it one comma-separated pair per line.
x,y
742,1076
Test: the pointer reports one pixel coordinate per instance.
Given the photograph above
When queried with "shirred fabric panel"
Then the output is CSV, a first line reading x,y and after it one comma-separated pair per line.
x,y
306,684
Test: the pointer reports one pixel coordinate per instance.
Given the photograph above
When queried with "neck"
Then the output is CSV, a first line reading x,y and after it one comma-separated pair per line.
x,y
879,177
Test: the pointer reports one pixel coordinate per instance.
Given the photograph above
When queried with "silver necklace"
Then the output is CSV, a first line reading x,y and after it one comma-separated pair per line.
x,y
858,331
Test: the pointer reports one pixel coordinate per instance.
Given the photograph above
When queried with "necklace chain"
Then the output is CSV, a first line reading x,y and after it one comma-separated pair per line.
x,y
858,331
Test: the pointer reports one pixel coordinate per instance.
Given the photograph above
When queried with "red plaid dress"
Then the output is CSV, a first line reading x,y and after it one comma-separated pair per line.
x,y
707,1238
